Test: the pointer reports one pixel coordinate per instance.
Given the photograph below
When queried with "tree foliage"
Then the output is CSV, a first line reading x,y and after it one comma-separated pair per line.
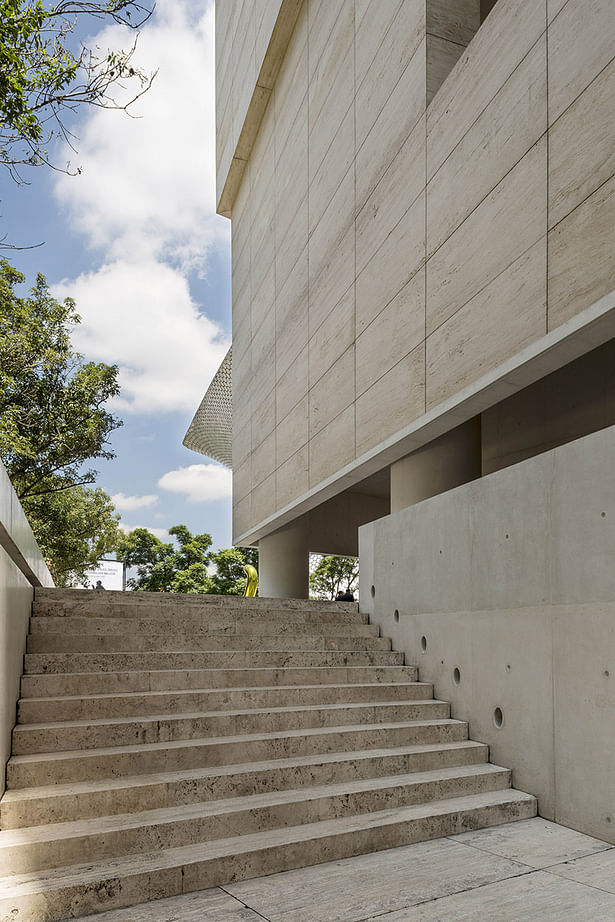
x,y
53,421
164,567
52,413
46,73
332,574
230,577
188,565
73,528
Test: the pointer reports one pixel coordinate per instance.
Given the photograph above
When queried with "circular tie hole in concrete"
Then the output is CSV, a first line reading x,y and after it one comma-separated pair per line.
x,y
373,592
498,718
396,615
423,644
456,676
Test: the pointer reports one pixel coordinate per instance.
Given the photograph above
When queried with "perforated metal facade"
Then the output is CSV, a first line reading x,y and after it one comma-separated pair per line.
x,y
211,430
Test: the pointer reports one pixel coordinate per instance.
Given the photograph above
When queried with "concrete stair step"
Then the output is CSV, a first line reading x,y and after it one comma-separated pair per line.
x,y
61,803
69,601
34,770
182,642
231,623
130,704
182,742
184,599
238,659
44,685
227,612
55,845
161,728
47,896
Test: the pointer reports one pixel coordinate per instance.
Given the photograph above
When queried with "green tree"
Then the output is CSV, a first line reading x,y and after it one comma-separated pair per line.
x,y
143,551
52,422
46,73
165,567
52,414
332,574
230,577
73,528
184,566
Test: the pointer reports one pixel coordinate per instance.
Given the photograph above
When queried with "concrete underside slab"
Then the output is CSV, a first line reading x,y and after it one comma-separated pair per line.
x,y
522,872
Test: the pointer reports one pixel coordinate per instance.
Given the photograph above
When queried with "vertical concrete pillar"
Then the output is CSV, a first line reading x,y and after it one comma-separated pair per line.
x,y
447,462
284,562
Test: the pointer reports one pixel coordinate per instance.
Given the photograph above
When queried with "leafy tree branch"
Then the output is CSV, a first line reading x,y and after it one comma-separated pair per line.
x,y
47,73
53,422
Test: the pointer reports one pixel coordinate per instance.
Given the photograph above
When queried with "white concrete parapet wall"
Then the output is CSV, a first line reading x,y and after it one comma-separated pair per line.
x,y
502,591
21,569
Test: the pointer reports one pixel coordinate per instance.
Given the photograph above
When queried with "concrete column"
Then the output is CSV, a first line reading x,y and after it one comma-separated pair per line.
x,y
284,562
447,462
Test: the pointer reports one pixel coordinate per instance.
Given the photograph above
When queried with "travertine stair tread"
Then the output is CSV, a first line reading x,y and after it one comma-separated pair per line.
x,y
69,626
190,715
175,599
334,735
109,662
171,679
132,781
102,825
360,631
176,637
425,686
117,605
243,738
78,707
121,614
58,878
202,643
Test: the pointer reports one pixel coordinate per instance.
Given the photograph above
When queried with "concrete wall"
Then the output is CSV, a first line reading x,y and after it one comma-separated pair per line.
x,y
402,228
511,581
21,568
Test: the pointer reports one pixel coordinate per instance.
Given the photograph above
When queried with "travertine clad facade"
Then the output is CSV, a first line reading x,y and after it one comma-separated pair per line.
x,y
423,216
416,198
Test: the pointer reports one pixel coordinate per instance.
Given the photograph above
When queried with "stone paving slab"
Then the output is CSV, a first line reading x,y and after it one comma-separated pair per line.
x,y
359,888
529,871
536,897
595,871
537,842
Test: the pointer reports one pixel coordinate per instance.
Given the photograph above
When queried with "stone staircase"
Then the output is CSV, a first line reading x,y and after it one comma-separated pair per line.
x,y
167,744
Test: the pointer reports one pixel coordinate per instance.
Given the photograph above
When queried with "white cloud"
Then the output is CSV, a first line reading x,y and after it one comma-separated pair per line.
x,y
201,483
129,503
141,317
161,533
146,201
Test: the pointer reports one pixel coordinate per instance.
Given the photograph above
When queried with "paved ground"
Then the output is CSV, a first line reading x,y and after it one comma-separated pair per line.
x,y
531,871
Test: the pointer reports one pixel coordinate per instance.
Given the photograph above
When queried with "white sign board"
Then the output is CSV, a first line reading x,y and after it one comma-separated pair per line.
x,y
110,573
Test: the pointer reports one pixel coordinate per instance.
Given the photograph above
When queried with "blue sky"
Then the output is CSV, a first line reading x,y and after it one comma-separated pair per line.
x,y
136,241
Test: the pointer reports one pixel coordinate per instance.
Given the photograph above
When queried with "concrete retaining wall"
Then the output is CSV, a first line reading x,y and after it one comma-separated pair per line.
x,y
21,569
503,592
